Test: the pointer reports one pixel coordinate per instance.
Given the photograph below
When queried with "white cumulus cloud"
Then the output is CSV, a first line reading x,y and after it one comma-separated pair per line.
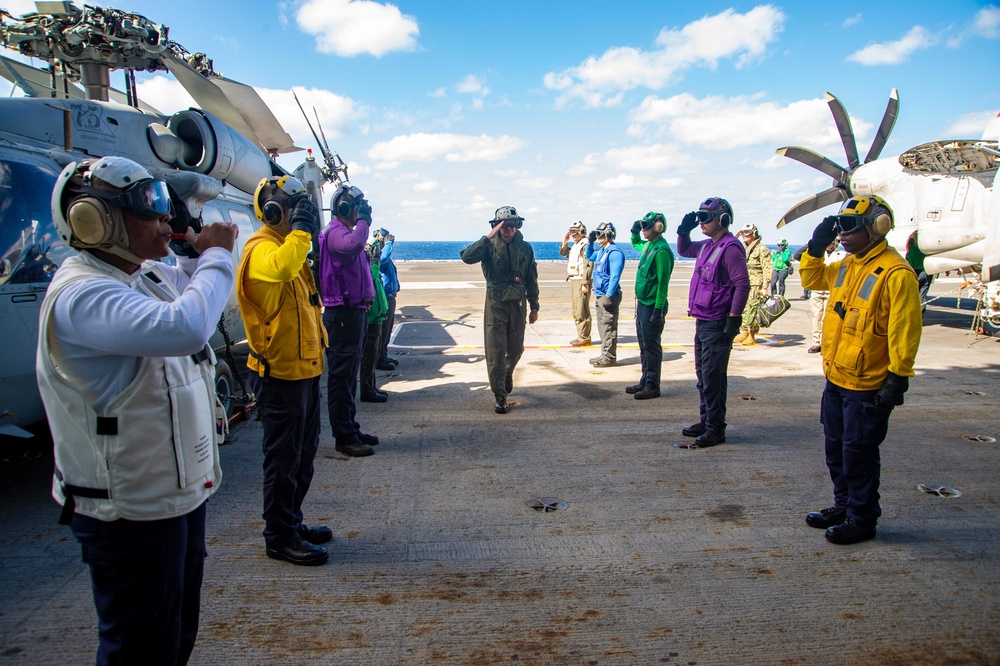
x,y
987,22
969,125
354,27
719,123
896,52
601,80
426,147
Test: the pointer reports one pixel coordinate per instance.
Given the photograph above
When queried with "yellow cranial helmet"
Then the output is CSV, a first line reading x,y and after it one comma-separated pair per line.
x,y
266,189
860,211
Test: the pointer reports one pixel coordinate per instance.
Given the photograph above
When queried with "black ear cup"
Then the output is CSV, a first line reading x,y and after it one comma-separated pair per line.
x,y
725,219
273,212
90,220
343,209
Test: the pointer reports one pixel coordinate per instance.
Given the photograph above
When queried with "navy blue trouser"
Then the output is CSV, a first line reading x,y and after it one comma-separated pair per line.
x,y
289,413
146,577
345,328
650,347
854,428
711,363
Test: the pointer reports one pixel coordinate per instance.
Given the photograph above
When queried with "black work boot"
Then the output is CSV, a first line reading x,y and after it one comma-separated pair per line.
x,y
826,517
353,448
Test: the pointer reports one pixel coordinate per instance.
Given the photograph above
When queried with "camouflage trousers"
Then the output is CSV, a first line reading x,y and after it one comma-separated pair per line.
x,y
754,302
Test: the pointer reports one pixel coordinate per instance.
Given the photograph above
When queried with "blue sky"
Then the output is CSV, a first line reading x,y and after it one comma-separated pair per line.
x,y
590,111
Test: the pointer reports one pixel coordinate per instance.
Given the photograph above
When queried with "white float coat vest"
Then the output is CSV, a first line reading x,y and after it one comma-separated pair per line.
x,y
153,451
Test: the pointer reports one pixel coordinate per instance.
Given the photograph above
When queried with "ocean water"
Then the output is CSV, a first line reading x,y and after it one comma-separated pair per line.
x,y
450,250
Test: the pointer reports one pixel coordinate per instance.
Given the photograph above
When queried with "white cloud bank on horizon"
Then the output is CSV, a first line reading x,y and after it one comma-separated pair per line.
x,y
896,52
602,80
427,147
350,28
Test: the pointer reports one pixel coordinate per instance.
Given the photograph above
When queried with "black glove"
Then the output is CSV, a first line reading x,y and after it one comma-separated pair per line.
x,y
591,237
305,217
656,319
689,222
365,211
636,227
891,393
732,328
824,234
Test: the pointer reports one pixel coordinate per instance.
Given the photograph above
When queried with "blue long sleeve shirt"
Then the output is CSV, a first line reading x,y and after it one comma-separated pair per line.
x,y
609,263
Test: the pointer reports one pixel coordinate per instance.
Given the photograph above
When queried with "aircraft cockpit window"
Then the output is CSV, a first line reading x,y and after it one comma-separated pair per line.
x,y
30,248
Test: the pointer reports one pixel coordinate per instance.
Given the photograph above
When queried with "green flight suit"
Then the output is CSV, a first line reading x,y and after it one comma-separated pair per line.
x,y
511,285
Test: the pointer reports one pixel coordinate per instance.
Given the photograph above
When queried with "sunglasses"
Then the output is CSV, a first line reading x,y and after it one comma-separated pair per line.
x,y
148,199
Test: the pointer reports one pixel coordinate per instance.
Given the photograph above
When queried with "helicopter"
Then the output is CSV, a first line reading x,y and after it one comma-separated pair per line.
x,y
212,157
942,193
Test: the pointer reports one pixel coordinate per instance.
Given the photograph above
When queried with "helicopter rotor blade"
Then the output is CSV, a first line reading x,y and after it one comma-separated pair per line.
x,y
813,203
885,127
844,127
813,159
304,115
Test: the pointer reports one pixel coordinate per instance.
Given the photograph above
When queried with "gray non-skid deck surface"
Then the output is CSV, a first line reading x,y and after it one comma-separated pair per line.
x,y
663,555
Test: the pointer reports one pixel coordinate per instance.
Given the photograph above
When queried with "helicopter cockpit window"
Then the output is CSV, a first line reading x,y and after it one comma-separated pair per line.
x,y
30,248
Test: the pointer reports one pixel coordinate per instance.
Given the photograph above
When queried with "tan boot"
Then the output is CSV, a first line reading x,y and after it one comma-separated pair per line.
x,y
741,337
750,339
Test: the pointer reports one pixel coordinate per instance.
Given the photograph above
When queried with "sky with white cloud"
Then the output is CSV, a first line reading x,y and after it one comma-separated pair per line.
x,y
577,111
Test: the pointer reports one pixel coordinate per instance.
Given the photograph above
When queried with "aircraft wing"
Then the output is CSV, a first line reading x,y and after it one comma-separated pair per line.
x,y
38,83
235,104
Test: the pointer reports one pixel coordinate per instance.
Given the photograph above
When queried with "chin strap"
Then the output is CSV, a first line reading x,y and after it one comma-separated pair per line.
x,y
123,253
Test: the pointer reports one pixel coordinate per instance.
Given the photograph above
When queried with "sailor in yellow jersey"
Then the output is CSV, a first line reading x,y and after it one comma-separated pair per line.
x,y
871,332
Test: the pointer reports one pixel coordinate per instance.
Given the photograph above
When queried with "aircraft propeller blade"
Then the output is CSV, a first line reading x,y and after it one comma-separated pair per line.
x,y
885,127
846,131
815,202
816,161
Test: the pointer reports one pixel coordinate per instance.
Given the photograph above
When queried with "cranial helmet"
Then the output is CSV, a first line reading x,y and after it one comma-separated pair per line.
x,y
783,243
749,230
345,197
655,221
719,208
89,196
579,228
506,214
268,208
607,230
872,212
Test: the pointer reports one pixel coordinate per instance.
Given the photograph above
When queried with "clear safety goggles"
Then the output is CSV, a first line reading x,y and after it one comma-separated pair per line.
x,y
148,199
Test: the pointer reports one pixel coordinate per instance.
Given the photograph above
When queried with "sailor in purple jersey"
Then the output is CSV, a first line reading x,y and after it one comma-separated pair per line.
x,y
719,290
